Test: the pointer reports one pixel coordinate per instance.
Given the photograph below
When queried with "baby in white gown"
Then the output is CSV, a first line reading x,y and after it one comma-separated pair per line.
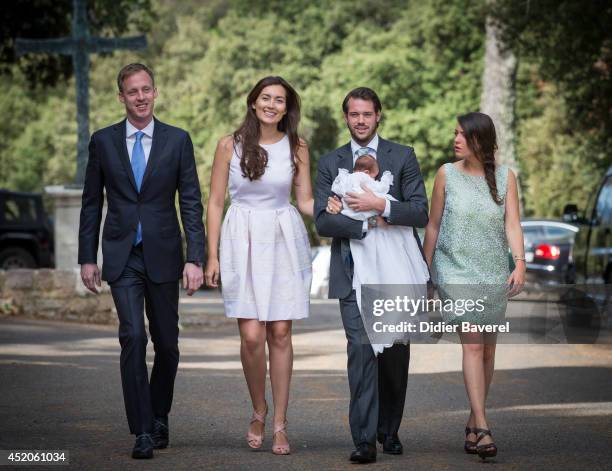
x,y
388,255
364,172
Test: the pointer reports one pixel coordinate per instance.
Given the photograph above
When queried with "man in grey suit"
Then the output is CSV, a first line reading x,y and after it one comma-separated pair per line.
x,y
377,384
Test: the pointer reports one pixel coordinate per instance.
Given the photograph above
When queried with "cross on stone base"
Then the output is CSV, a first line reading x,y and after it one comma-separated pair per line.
x,y
79,46
67,199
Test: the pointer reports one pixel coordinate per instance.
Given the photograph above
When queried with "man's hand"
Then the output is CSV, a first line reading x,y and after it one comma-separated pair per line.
x,y
366,201
91,277
381,222
192,278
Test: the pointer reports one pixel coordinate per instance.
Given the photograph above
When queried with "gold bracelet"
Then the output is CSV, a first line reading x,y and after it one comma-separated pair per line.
x,y
517,258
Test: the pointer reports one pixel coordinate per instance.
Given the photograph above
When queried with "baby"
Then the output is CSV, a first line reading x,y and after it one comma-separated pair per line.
x,y
365,171
368,165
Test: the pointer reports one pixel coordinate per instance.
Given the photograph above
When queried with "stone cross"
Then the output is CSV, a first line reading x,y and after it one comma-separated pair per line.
x,y
79,46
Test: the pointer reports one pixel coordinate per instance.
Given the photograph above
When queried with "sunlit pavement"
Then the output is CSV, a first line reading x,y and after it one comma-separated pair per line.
x,y
550,406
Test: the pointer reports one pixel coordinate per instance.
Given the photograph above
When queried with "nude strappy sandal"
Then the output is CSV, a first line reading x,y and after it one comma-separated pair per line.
x,y
281,449
256,441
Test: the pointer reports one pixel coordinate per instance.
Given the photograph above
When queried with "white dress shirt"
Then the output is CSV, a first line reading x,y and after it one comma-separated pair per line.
x,y
147,139
373,144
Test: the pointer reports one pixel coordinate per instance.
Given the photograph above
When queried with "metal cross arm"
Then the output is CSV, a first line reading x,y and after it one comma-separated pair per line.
x,y
67,46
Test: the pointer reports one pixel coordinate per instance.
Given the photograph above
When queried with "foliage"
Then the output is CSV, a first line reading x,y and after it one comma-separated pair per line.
x,y
46,19
423,58
565,97
559,166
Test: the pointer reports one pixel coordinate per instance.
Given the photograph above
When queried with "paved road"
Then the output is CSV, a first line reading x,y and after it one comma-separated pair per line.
x,y
550,405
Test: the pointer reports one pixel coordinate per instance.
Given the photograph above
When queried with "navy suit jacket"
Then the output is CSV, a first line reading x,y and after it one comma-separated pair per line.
x,y
170,169
410,209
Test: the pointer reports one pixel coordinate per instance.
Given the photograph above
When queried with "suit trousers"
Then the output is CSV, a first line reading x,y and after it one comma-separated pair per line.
x,y
133,290
377,384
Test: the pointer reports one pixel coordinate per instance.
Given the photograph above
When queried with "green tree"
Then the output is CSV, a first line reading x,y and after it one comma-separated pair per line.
x,y
51,19
564,97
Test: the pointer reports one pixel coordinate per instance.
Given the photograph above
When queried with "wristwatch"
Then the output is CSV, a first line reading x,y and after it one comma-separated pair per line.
x,y
372,222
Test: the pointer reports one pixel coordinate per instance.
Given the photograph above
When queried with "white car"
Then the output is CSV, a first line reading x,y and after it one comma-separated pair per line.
x,y
321,257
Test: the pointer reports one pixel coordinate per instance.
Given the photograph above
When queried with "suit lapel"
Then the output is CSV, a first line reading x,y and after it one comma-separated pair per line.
x,y
383,156
160,135
120,144
346,157
345,160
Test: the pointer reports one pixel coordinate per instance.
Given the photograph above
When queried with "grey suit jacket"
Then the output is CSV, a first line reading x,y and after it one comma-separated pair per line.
x,y
410,209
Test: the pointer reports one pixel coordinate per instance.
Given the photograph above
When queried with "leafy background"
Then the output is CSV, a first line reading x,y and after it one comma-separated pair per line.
x,y
424,58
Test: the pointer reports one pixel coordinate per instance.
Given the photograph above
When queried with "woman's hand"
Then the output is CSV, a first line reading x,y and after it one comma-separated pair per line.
x,y
211,274
516,280
334,205
514,235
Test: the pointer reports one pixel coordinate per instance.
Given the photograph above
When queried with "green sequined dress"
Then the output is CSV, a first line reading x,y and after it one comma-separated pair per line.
x,y
471,257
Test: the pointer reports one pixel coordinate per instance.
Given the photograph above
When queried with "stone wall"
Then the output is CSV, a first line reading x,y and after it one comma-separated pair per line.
x,y
54,294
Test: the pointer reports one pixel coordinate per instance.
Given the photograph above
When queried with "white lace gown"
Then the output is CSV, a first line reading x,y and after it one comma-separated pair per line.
x,y
347,182
264,253
389,256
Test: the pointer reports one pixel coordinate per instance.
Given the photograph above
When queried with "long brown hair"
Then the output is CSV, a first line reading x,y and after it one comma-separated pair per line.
x,y
254,158
479,132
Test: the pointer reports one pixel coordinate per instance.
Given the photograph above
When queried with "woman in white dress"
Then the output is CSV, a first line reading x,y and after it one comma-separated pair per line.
x,y
265,261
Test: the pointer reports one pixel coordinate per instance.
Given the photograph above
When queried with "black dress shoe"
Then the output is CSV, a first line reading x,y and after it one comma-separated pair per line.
x,y
161,433
143,448
364,453
392,445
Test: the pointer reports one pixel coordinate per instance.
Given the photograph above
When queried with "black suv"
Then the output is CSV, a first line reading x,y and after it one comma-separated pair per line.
x,y
26,235
592,251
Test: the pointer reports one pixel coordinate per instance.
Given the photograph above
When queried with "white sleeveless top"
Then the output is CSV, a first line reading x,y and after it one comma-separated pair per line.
x,y
273,189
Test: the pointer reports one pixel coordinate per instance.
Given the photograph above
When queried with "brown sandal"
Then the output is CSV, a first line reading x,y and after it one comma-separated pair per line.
x,y
485,451
469,446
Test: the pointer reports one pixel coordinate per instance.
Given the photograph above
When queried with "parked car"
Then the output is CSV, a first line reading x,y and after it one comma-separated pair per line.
x,y
26,235
548,251
590,301
593,246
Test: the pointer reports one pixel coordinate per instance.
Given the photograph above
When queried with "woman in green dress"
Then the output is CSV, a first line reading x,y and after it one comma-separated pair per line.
x,y
474,217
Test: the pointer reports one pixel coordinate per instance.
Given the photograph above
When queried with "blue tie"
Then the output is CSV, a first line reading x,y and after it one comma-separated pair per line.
x,y
365,151
138,167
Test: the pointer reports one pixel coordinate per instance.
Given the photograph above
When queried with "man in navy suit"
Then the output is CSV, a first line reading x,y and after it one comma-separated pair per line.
x,y
377,384
142,163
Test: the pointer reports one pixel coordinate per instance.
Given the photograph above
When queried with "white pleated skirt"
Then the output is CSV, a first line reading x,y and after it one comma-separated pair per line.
x,y
266,264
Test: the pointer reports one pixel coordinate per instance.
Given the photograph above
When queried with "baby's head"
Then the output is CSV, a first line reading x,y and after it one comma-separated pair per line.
x,y
366,164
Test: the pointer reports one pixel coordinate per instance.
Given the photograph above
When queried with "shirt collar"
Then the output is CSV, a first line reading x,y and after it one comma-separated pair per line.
x,y
130,129
373,144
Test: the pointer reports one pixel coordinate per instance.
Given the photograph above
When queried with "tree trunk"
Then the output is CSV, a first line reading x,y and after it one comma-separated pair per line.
x,y
499,93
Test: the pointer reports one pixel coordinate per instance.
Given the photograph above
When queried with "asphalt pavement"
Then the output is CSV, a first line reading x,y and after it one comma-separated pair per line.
x,y
550,406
